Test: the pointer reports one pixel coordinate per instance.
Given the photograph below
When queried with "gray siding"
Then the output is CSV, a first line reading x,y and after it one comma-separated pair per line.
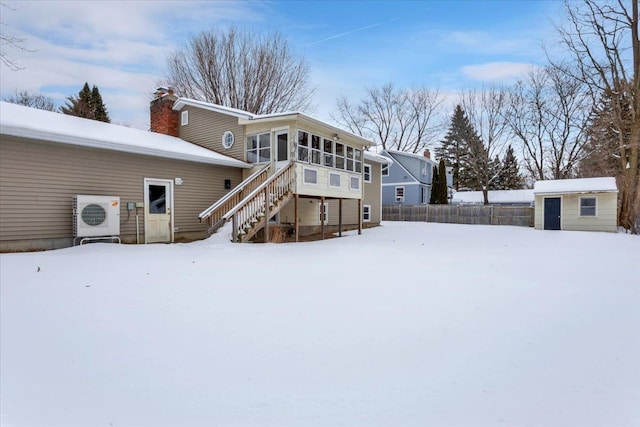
x,y
413,164
412,194
206,129
38,180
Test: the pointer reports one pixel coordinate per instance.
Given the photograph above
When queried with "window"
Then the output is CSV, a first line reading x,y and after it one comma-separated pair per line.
x,y
423,195
324,213
227,139
366,213
334,180
367,173
303,146
259,148
310,176
339,155
588,206
315,150
350,159
354,183
399,194
385,169
328,153
184,118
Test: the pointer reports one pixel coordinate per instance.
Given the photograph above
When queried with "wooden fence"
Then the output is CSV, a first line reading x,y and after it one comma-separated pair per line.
x,y
487,215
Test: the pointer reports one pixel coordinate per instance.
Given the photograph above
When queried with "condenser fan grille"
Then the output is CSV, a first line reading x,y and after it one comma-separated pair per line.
x,y
93,215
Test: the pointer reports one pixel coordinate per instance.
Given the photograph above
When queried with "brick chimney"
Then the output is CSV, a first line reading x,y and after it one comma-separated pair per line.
x,y
427,154
163,119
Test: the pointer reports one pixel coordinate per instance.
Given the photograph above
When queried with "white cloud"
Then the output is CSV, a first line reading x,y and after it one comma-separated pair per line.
x,y
496,71
119,46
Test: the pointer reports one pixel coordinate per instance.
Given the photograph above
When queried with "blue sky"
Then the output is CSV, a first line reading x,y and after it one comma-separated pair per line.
x,y
122,46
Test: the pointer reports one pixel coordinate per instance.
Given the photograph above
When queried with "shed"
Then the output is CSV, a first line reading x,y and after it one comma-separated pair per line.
x,y
583,204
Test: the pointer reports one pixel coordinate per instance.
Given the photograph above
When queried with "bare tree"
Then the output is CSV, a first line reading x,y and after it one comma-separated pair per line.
x,y
548,113
33,100
258,74
11,41
603,39
485,109
403,120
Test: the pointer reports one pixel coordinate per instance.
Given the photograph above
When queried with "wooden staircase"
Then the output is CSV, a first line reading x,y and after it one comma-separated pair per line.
x,y
263,198
213,215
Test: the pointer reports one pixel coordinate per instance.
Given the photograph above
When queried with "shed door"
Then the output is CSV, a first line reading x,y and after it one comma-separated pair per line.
x,y
552,213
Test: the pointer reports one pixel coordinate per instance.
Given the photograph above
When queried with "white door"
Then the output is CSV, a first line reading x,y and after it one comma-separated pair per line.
x,y
158,211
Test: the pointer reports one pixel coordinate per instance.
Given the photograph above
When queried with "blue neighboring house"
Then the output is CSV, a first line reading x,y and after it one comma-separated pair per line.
x,y
407,181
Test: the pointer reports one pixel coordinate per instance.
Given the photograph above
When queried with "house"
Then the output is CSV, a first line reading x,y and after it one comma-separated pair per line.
x,y
588,204
407,181
202,165
496,198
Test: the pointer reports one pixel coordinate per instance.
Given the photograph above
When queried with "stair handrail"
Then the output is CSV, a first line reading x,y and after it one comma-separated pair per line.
x,y
244,184
255,207
257,191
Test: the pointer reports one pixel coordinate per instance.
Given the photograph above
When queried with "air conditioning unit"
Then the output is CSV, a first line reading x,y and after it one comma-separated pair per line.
x,y
96,216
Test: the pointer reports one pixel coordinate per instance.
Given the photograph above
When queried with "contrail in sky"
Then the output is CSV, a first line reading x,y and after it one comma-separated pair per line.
x,y
351,32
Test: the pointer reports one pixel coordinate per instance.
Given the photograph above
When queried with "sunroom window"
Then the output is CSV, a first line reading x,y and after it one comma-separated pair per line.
x,y
259,148
328,153
316,150
303,146
339,155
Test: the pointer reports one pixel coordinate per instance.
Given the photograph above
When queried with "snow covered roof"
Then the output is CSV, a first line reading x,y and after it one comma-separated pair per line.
x,y
373,157
181,102
25,122
245,117
411,155
495,196
578,185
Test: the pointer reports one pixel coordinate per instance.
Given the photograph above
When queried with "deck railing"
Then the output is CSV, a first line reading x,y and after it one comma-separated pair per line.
x,y
255,207
213,215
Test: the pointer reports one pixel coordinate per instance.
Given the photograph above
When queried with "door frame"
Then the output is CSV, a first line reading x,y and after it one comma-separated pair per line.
x,y
169,201
544,211
274,148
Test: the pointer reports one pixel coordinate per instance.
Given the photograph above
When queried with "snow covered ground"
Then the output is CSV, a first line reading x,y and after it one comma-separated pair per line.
x,y
409,324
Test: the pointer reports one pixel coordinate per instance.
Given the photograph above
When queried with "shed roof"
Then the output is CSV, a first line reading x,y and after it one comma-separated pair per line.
x,y
577,185
25,122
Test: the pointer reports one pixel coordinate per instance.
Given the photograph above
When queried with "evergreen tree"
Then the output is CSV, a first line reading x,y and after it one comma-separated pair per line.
x,y
475,163
509,177
443,189
99,109
452,146
433,199
496,173
87,104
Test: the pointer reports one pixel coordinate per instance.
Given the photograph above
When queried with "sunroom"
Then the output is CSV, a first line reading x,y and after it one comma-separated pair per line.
x,y
325,163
